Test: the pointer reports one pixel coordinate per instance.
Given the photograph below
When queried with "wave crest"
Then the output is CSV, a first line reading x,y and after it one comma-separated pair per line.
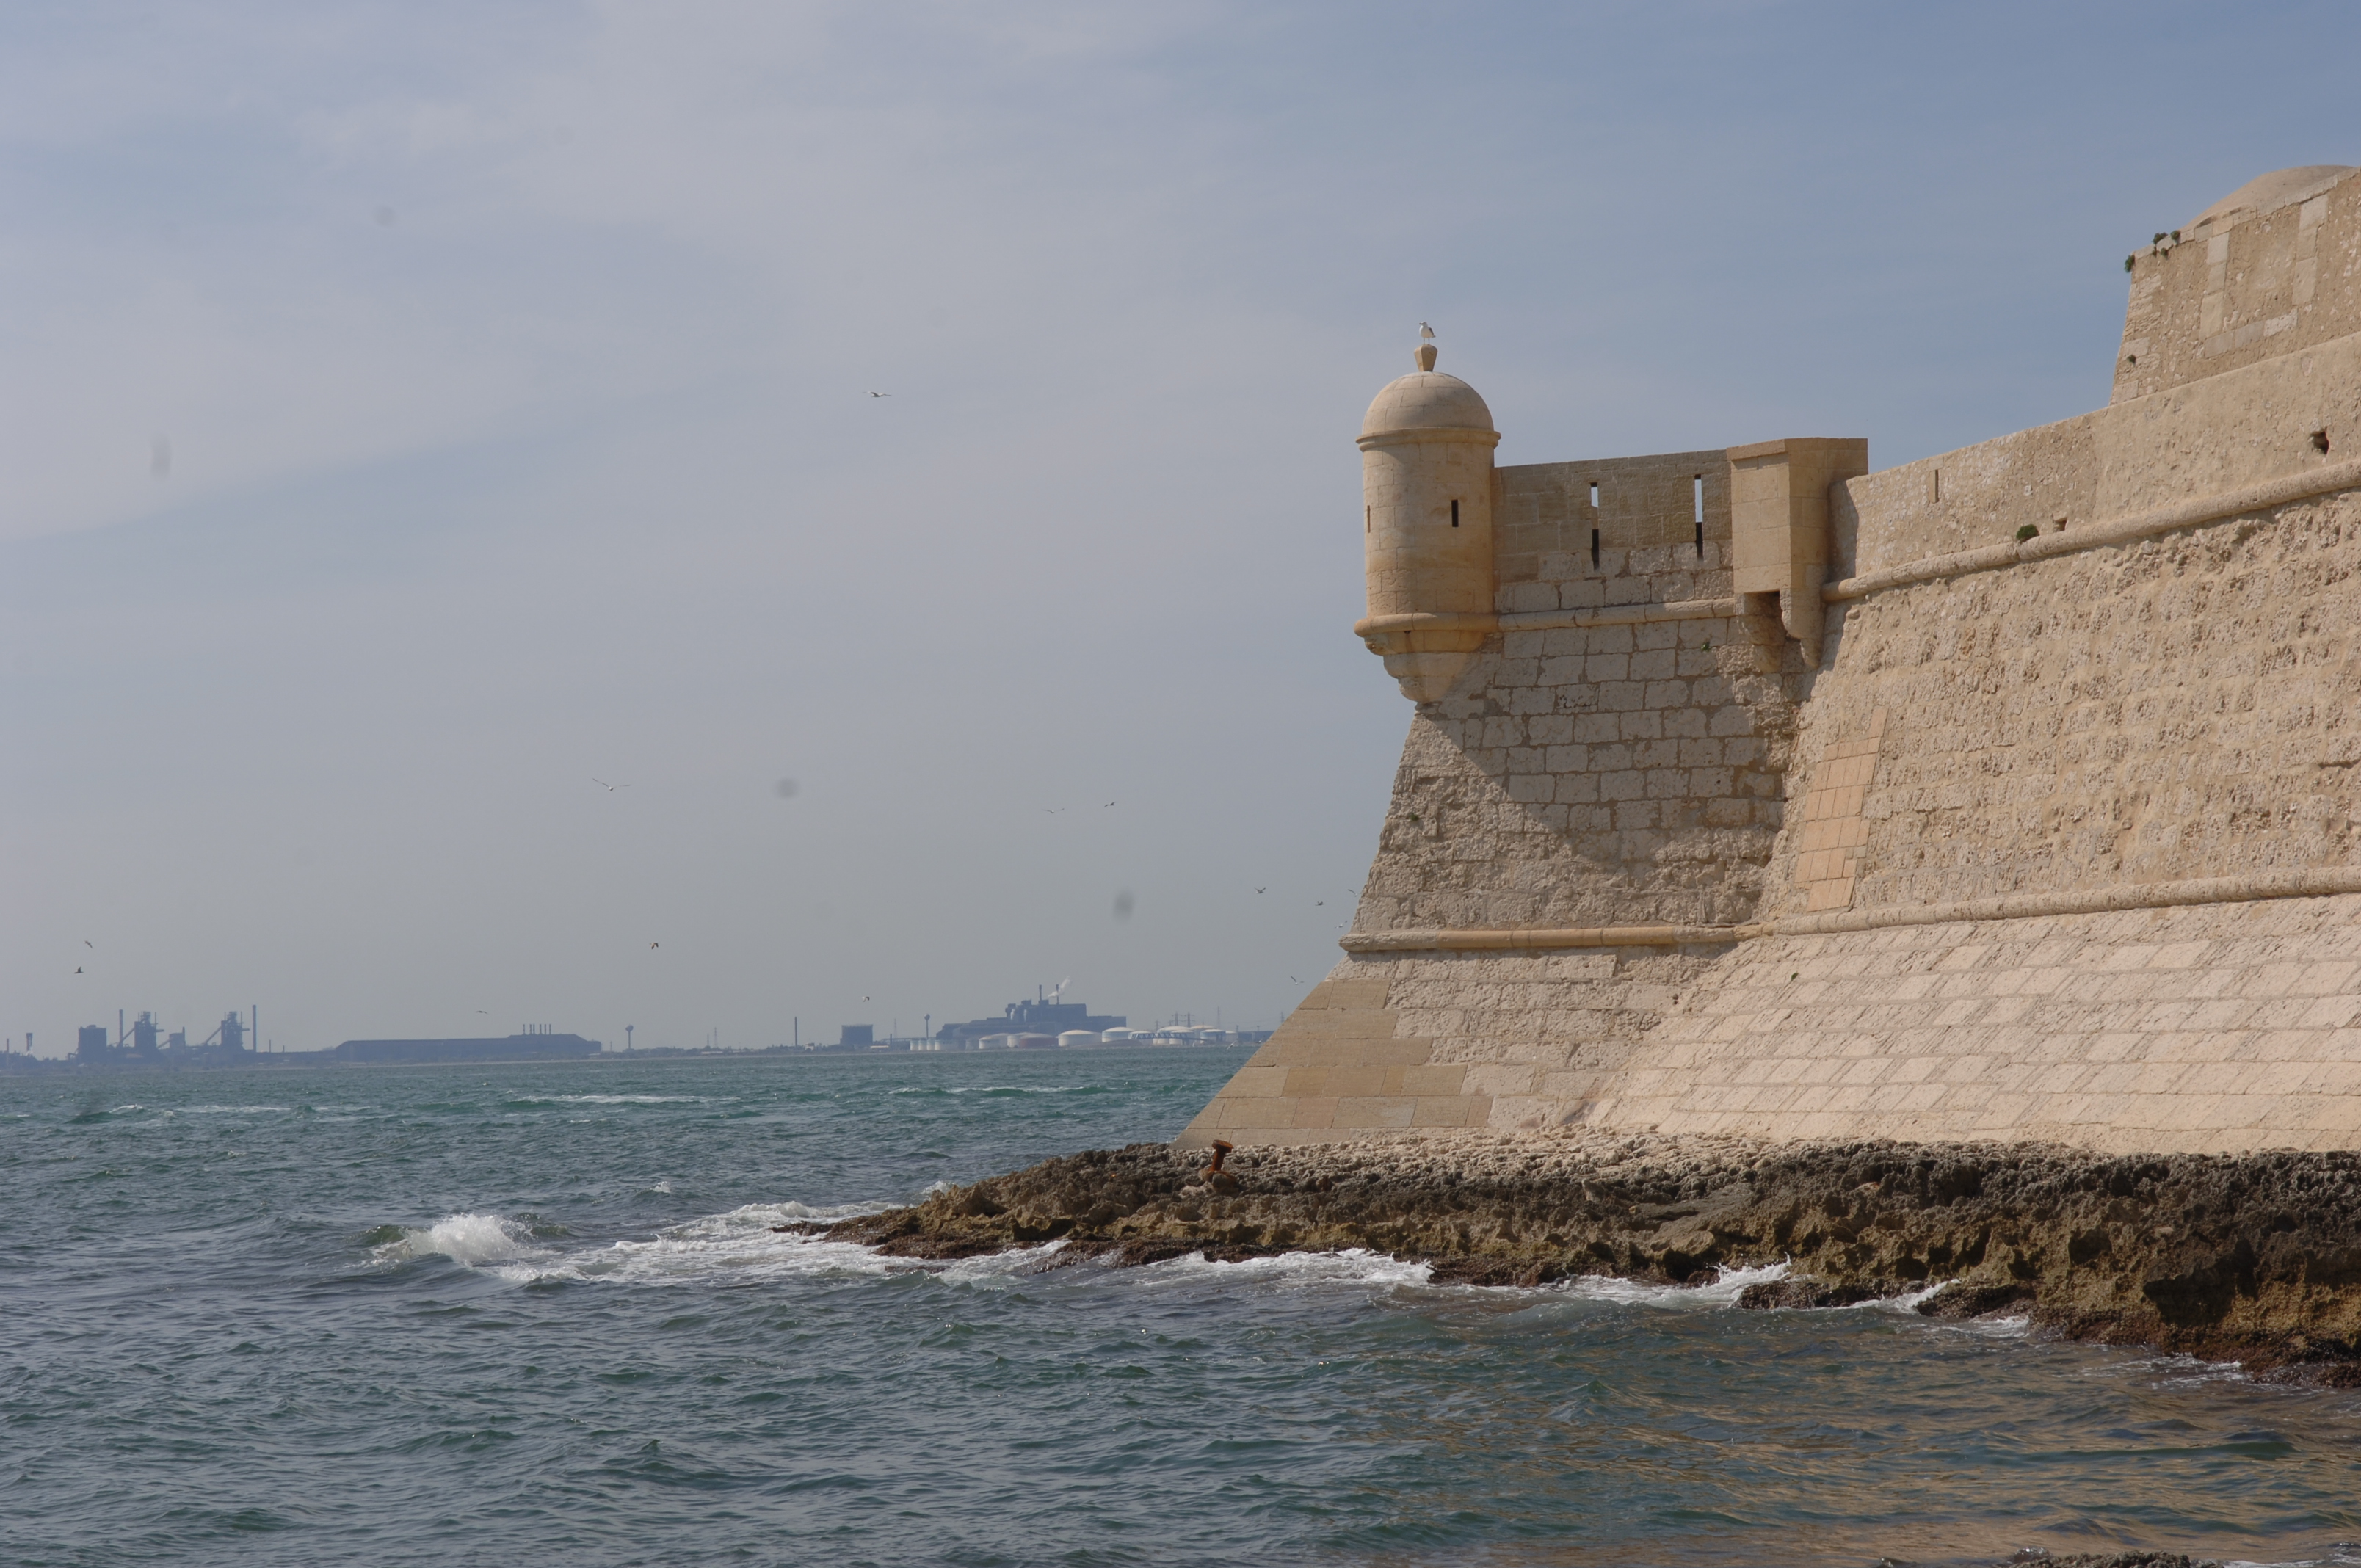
x,y
470,1239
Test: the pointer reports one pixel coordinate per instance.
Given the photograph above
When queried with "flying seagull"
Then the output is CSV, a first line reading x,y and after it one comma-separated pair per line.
x,y
1259,889
1109,803
652,946
77,969
881,394
611,789
85,942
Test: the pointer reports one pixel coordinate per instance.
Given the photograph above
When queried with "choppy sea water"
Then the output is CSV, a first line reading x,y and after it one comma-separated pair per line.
x,y
523,1315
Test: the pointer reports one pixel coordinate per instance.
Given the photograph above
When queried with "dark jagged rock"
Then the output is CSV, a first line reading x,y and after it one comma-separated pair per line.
x,y
2254,1258
1814,1293
2109,1560
1960,1299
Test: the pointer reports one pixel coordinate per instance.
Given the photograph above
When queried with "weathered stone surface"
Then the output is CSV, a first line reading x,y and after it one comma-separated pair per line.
x,y
2256,1258
2182,707
2109,1560
2049,835
2248,280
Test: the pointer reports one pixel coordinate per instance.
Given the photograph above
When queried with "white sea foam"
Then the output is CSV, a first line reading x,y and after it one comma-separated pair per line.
x,y
1354,1265
1905,1302
737,1246
474,1240
228,1110
1725,1289
1722,1292
2177,1371
993,1267
619,1099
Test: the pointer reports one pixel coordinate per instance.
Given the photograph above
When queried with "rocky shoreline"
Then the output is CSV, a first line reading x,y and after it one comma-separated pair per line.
x,y
2254,1258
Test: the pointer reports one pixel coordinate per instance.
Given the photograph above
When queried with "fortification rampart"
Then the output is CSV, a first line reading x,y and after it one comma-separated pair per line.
x,y
1615,753
2006,794
2265,271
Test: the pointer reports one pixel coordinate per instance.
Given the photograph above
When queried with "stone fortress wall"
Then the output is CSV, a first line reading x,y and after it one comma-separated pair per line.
x,y
2008,793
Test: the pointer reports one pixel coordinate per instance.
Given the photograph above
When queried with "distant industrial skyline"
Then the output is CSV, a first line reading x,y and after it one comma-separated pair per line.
x,y
421,426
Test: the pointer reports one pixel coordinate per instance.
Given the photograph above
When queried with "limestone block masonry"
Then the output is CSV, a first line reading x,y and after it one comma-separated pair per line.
x,y
2010,794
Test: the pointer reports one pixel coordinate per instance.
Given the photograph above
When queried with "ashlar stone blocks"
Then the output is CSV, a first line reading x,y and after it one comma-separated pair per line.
x,y
1783,823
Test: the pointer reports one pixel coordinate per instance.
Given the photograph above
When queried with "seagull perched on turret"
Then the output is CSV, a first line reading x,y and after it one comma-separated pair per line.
x,y
1424,330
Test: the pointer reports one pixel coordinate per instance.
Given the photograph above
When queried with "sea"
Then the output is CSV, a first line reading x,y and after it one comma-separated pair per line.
x,y
538,1314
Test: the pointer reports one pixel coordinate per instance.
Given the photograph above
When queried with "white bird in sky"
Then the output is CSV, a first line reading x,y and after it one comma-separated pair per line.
x,y
881,394
611,789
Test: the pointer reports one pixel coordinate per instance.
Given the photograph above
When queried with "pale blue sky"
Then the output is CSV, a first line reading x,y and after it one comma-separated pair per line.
x,y
412,412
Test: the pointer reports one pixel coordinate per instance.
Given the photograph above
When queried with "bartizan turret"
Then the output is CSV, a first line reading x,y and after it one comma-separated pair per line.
x,y
1426,486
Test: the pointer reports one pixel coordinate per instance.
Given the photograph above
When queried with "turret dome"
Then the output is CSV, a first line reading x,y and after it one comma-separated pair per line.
x,y
2267,193
1427,399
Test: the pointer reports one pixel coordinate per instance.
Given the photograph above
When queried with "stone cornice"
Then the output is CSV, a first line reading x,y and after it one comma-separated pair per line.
x,y
2320,882
2125,530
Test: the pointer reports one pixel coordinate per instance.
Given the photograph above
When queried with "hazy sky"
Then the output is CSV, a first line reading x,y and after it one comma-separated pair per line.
x,y
409,413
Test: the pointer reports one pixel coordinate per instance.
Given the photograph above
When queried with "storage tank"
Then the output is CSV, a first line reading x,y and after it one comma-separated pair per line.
x,y
1078,1041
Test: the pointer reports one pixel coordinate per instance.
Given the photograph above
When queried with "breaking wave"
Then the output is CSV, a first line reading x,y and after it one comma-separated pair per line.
x,y
474,1240
1723,1290
619,1099
1354,1265
741,1246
